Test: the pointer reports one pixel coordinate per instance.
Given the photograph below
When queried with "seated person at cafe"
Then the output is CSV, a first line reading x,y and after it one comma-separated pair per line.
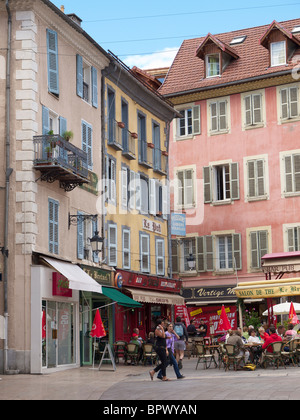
x,y
202,330
271,339
281,330
236,339
263,334
151,338
191,329
255,349
290,332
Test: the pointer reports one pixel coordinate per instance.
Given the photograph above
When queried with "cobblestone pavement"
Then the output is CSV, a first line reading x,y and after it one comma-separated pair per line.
x,y
129,383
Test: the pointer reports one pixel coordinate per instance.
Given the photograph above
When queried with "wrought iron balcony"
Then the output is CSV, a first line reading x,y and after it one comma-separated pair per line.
x,y
129,144
115,134
57,159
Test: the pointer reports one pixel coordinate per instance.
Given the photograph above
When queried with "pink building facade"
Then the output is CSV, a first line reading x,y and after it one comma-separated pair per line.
x,y
234,157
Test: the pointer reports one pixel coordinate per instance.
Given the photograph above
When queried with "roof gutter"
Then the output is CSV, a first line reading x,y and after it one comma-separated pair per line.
x,y
236,82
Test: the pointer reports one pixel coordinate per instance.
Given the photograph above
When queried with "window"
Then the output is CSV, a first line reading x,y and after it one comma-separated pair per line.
x,y
185,188
238,40
218,116
112,245
189,123
53,225
256,178
86,81
142,138
126,247
259,247
157,148
212,63
86,229
292,173
111,180
52,53
125,133
111,115
224,247
160,256
145,252
221,182
253,110
87,141
293,238
289,103
144,193
278,53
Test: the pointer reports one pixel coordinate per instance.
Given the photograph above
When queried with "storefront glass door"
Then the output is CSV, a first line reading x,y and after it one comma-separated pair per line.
x,y
58,341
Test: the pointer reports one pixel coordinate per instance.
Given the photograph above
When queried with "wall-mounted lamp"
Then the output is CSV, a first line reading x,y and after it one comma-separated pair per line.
x,y
75,218
191,262
96,243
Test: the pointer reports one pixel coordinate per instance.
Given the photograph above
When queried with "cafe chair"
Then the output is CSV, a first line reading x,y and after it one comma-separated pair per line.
x,y
232,356
289,351
189,348
149,354
120,348
275,358
204,357
133,353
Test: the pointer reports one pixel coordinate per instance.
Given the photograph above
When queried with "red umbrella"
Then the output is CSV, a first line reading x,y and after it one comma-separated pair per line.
x,y
98,328
224,324
292,315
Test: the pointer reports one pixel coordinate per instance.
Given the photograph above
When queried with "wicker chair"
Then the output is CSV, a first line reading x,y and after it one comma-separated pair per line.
x,y
133,353
232,356
149,353
205,357
274,356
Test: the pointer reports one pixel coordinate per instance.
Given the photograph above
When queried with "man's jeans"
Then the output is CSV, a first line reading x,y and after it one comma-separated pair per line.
x,y
172,360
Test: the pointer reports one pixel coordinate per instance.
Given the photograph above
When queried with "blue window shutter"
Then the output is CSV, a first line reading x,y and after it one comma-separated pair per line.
x,y
94,87
79,76
95,228
63,154
52,52
45,120
80,245
53,225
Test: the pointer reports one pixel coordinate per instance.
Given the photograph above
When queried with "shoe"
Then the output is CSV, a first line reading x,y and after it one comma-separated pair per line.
x,y
180,364
181,377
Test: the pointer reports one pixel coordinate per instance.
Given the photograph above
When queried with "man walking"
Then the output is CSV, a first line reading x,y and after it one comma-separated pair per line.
x,y
179,344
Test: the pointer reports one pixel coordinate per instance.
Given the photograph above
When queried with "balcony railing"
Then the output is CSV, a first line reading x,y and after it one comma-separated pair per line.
x,y
145,154
57,159
114,134
129,143
160,161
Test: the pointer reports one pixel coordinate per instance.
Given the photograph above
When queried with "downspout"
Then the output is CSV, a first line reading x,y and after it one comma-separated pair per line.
x,y
7,186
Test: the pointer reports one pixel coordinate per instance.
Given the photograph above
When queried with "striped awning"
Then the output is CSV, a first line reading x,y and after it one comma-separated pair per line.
x,y
268,289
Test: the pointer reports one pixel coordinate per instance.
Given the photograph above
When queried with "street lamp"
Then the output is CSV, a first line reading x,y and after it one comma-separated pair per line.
x,y
191,262
96,243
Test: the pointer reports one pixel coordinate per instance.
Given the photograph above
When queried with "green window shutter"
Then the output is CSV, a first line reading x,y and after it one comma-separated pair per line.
x,y
52,53
79,76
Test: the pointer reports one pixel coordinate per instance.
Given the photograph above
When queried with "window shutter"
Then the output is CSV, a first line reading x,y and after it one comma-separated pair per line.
x,y
254,250
160,257
222,115
296,162
234,181
288,174
131,203
237,252
200,254
257,111
214,116
45,120
263,244
260,164
152,197
174,250
124,194
126,248
291,240
188,187
95,229
79,76
248,112
63,154
94,87
209,253
165,201
80,239
293,91
196,119
138,192
112,245
251,178
52,51
284,104
87,142
113,182
207,184
180,188
145,257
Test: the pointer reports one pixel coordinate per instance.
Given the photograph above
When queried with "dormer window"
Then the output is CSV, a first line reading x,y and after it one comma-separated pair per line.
x,y
212,64
278,53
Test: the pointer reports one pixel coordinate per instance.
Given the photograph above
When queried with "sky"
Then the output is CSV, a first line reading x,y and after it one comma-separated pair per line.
x,y
147,34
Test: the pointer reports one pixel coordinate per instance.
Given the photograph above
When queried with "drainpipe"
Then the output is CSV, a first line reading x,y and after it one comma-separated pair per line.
x,y
7,186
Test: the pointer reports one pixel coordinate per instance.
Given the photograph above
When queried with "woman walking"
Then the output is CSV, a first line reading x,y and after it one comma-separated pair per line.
x,y
171,360
161,350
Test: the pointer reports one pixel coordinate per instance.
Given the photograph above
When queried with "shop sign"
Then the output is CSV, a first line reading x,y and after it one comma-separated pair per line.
x,y
101,276
152,226
178,224
269,292
209,293
60,285
149,282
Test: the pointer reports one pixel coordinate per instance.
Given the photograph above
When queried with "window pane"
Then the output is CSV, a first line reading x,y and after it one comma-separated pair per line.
x,y
278,53
213,65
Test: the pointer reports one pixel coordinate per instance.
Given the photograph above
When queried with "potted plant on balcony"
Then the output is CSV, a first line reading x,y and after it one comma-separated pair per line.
x,y
121,124
151,145
165,153
134,135
68,135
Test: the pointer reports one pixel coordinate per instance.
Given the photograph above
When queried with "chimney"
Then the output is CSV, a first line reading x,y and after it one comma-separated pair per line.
x,y
75,18
62,8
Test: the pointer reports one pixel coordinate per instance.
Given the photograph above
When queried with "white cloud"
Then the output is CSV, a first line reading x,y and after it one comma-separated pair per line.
x,y
155,60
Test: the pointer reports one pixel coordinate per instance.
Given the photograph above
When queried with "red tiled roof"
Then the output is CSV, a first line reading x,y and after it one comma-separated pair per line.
x,y
224,47
187,70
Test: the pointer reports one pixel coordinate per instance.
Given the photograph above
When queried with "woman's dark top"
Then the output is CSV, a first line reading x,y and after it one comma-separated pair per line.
x,y
160,342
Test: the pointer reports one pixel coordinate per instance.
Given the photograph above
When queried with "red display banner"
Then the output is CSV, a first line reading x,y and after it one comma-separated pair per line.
x,y
181,310
60,285
210,315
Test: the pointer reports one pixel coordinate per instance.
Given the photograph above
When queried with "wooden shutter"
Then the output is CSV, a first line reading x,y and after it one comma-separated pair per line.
x,y
234,181
112,245
53,226
123,184
214,116
293,102
207,184
260,173
263,244
138,198
200,254
188,188
152,197
284,104
237,252
87,142
196,119
209,253
296,164
131,189
113,196
126,248
257,109
251,178
52,52
288,174
165,201
222,115
160,256
145,253
79,76
254,250
80,237
94,75
291,239
180,188
174,251
248,112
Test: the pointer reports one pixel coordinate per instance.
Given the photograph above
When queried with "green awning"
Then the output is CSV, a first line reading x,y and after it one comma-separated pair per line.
x,y
120,298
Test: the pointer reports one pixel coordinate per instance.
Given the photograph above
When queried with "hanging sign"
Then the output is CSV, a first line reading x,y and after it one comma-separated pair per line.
x,y
60,285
